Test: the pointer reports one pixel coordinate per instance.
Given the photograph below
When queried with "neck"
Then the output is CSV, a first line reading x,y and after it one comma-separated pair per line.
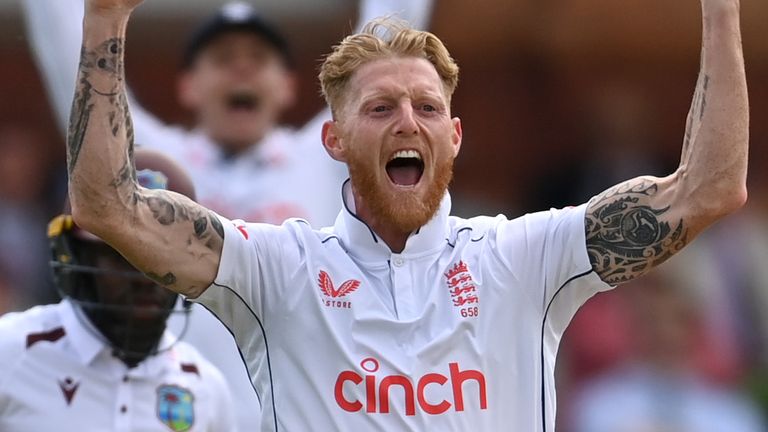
x,y
392,236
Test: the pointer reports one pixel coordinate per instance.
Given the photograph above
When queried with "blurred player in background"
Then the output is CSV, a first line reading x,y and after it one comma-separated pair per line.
x,y
102,359
238,81
661,389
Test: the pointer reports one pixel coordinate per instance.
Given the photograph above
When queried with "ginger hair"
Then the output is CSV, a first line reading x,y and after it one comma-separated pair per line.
x,y
380,39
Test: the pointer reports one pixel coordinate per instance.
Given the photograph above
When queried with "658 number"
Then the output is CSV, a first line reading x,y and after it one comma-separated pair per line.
x,y
470,312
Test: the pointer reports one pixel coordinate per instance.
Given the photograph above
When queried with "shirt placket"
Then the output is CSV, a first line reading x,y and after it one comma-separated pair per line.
x,y
123,409
402,286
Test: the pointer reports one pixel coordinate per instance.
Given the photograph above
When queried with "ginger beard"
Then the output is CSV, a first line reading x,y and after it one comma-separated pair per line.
x,y
405,209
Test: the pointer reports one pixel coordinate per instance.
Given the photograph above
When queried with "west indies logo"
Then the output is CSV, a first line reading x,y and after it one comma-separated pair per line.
x,y
462,290
175,407
334,297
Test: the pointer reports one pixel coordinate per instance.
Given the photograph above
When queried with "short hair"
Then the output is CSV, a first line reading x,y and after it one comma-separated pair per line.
x,y
379,39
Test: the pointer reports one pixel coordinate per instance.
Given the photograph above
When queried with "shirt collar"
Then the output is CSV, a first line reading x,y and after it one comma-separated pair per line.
x,y
82,335
88,342
363,243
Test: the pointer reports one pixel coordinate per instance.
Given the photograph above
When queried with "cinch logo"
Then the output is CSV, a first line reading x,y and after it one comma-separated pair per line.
x,y
377,389
331,293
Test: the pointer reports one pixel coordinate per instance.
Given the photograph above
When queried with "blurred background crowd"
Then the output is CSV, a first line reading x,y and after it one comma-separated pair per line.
x,y
559,100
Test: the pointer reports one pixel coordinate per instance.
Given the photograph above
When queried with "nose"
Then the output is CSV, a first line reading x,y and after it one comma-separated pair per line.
x,y
245,66
406,123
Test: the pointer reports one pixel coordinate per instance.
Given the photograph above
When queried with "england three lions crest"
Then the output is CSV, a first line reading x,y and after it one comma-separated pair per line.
x,y
462,289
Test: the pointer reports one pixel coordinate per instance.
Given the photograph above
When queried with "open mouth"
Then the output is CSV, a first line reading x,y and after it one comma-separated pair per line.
x,y
405,168
242,102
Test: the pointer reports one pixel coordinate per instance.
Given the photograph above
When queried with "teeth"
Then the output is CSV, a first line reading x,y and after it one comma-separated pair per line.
x,y
407,154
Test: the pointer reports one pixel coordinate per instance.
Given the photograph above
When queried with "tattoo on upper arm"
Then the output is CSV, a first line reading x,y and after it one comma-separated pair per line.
x,y
216,224
626,237
168,209
165,280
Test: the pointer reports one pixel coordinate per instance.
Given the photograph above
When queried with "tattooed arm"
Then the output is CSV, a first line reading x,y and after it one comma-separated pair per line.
x,y
639,224
167,236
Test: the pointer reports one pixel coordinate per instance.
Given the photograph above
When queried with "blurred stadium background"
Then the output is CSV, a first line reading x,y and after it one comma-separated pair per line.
x,y
559,100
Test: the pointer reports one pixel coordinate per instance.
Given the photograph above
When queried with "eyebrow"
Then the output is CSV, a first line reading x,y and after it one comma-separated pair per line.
x,y
383,94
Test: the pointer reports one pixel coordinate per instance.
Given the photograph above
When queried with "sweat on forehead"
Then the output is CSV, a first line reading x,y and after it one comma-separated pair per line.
x,y
379,39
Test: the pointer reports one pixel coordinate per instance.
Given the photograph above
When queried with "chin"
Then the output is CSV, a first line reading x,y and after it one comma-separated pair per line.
x,y
409,210
238,141
405,208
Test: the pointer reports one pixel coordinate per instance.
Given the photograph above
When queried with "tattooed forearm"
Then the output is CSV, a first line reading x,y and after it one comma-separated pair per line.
x,y
625,236
82,106
105,60
696,114
127,173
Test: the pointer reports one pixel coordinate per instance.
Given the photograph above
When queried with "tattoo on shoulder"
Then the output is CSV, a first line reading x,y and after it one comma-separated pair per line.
x,y
625,236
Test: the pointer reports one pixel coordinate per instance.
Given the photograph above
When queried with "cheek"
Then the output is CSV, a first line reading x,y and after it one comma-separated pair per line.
x,y
111,289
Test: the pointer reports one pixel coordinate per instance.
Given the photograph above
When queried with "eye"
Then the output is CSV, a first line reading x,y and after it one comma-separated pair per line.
x,y
429,108
380,108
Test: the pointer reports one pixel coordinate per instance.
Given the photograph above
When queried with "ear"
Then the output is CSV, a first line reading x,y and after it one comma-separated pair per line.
x,y
332,140
186,91
456,136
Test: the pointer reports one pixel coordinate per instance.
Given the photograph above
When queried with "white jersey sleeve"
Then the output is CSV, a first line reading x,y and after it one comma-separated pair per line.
x,y
258,265
416,12
54,29
254,269
547,251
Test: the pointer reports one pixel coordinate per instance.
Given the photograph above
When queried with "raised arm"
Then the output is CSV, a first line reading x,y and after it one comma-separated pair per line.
x,y
167,236
54,30
639,224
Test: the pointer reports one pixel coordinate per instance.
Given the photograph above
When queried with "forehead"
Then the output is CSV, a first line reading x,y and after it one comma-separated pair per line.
x,y
237,40
396,75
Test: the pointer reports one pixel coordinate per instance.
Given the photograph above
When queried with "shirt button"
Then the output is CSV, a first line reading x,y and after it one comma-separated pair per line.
x,y
399,262
125,378
123,409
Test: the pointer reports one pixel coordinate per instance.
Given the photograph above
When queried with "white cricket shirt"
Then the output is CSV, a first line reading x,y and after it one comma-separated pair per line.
x,y
56,375
457,333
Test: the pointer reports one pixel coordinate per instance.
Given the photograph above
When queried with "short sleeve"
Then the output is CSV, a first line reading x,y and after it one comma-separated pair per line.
x,y
547,252
251,269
